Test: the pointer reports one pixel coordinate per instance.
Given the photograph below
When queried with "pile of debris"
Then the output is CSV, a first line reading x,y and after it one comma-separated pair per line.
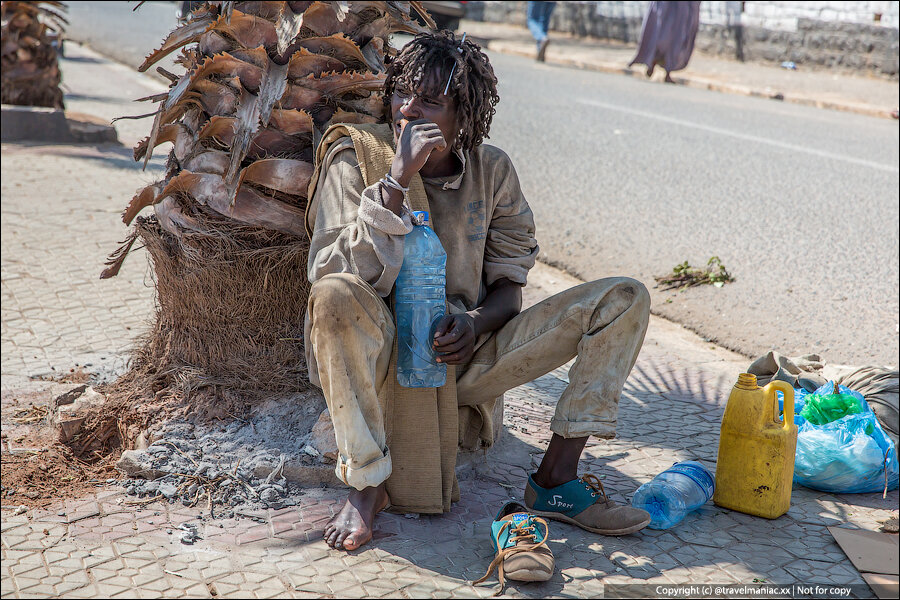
x,y
221,466
38,470
167,472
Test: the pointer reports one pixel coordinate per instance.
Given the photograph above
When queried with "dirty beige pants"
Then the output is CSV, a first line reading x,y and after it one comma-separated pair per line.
x,y
351,332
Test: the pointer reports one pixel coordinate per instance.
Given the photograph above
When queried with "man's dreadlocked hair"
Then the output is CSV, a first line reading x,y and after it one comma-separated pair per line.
x,y
474,84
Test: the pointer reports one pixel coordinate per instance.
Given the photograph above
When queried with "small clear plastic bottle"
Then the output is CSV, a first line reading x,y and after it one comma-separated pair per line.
x,y
419,301
670,496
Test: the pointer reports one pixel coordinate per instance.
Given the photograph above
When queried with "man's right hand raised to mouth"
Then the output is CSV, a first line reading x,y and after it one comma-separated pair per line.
x,y
416,142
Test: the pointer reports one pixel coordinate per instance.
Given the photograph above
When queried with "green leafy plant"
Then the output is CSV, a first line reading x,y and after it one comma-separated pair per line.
x,y
684,275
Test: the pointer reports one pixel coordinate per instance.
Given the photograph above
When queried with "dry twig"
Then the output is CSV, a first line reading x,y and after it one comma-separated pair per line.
x,y
684,275
32,414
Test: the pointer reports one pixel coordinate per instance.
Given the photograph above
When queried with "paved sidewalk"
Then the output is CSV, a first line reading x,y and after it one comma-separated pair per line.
x,y
825,89
60,218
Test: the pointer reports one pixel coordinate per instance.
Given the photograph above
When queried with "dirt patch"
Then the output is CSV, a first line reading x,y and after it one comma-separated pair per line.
x,y
199,446
36,469
76,374
39,471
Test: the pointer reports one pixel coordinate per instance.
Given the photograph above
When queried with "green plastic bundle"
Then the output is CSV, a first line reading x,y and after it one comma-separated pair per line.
x,y
825,408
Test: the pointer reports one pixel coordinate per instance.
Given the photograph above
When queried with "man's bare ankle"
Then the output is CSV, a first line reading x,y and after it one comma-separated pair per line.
x,y
369,500
560,462
552,480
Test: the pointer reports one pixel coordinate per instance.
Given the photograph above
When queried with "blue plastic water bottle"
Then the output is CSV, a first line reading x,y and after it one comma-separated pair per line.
x,y
419,301
682,488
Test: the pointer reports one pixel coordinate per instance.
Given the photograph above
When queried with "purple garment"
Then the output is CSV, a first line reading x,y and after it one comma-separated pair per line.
x,y
668,34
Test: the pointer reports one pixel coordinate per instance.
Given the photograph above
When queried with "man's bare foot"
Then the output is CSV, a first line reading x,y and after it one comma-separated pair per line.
x,y
352,527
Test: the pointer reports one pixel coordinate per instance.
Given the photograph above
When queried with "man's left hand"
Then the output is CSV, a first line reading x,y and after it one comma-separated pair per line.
x,y
454,339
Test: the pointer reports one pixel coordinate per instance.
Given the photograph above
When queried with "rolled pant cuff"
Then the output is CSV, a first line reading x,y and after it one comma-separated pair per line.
x,y
575,429
371,474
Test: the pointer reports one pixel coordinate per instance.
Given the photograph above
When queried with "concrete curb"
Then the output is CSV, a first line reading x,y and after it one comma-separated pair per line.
x,y
41,124
20,123
88,129
525,50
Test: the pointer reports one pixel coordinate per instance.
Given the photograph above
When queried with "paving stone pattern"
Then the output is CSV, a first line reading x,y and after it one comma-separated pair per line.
x,y
60,207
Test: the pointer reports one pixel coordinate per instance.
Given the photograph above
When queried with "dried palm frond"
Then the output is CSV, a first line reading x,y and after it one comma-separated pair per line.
x,y
261,82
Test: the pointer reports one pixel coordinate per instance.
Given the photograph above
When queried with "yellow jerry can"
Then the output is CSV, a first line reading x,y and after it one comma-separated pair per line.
x,y
755,468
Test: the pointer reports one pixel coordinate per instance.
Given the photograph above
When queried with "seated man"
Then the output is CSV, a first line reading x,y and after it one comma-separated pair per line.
x,y
487,230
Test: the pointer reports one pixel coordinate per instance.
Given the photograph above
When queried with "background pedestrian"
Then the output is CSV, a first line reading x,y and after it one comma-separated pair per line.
x,y
667,36
539,22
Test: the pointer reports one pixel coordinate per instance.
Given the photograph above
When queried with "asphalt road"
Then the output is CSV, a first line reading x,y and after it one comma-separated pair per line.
x,y
628,177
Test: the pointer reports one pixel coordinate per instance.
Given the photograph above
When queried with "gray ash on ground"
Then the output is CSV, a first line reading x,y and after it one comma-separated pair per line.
x,y
264,461
188,476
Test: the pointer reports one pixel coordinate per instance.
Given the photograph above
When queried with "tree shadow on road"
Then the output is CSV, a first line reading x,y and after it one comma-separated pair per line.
x,y
109,154
83,59
92,98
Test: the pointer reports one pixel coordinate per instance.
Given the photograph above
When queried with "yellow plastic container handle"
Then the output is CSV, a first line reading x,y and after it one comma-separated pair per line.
x,y
788,392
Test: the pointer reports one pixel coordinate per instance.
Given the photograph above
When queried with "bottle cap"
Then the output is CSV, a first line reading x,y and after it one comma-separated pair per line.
x,y
420,217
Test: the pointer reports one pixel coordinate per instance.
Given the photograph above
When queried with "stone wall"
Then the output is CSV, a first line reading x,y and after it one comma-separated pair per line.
x,y
858,37
785,15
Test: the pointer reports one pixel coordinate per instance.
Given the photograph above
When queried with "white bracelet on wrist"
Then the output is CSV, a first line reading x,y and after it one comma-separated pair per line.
x,y
391,182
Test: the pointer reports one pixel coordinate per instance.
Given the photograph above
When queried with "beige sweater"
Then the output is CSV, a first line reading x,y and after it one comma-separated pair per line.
x,y
480,216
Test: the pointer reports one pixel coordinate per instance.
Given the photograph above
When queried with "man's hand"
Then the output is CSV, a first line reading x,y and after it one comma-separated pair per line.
x,y
454,339
417,140
454,336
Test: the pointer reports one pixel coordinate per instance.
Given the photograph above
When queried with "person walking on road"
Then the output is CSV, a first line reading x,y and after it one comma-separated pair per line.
x,y
667,36
539,22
